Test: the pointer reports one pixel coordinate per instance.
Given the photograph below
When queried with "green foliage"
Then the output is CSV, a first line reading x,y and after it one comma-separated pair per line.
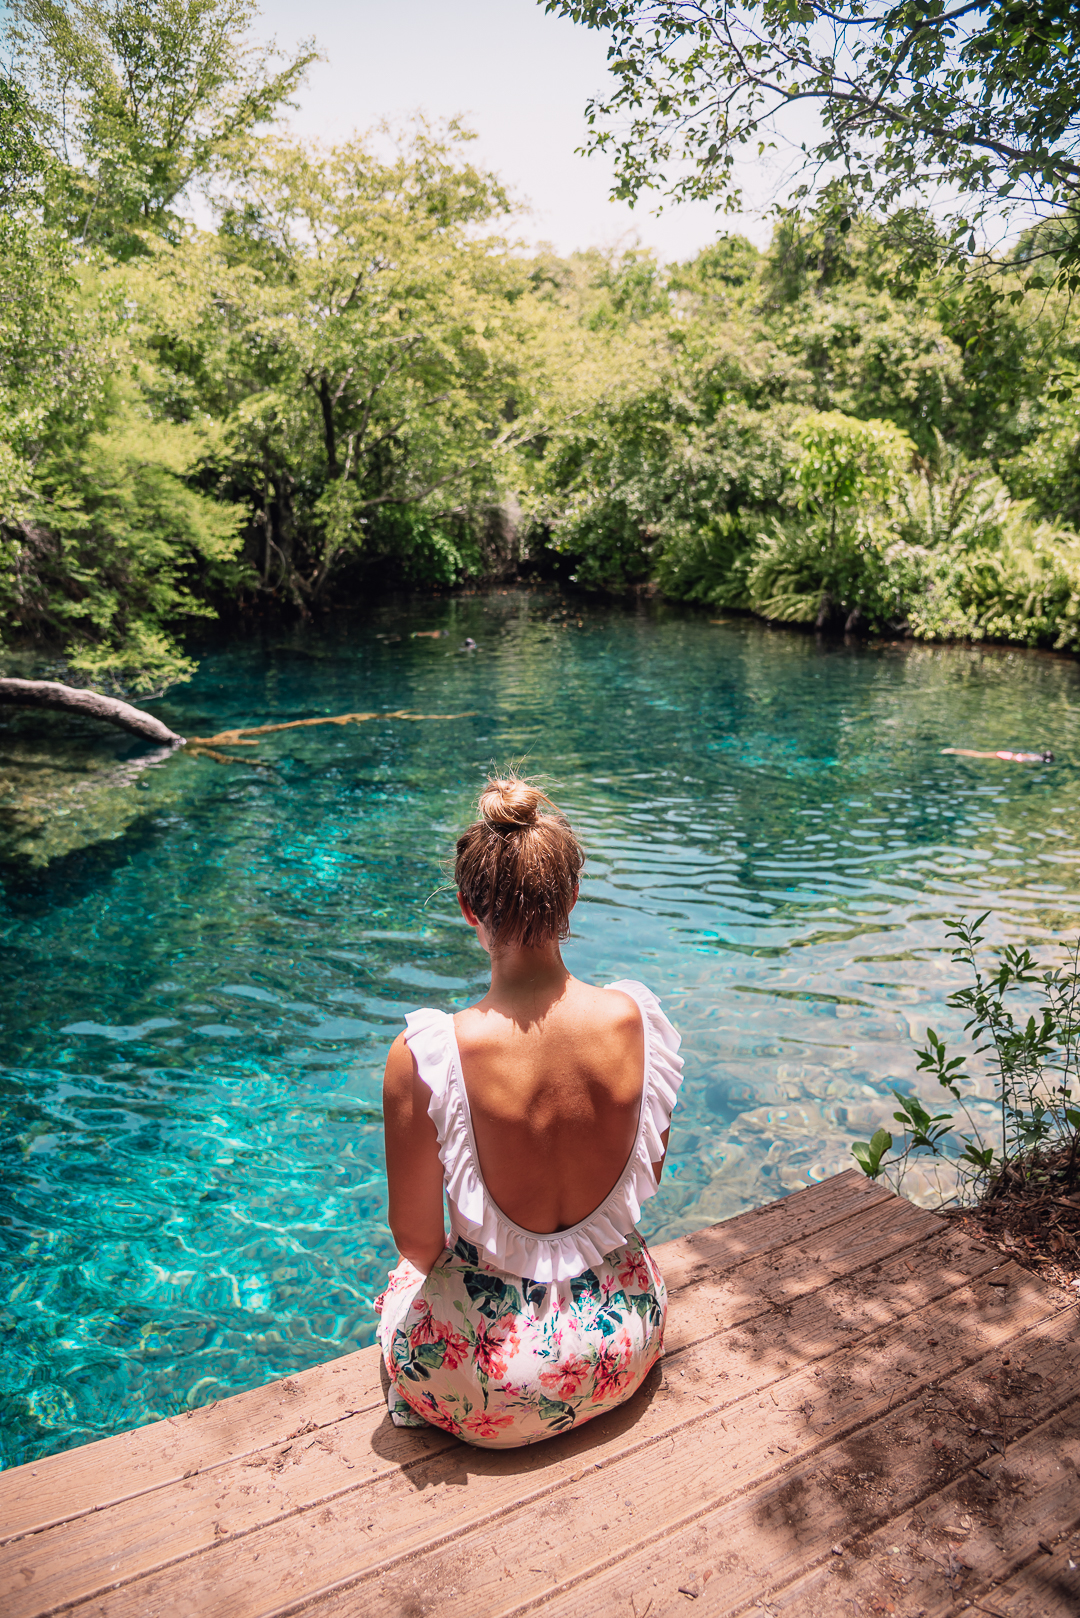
x,y
24,163
1034,1062
128,537
975,563
338,381
421,549
869,1153
139,99
1047,469
105,542
353,381
745,463
846,463
390,355
981,101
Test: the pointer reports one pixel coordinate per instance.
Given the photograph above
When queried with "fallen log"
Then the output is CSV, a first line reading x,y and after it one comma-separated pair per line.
x,y
72,699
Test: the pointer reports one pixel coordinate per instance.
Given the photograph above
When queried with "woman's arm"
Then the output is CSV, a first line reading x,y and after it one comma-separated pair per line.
x,y
413,1172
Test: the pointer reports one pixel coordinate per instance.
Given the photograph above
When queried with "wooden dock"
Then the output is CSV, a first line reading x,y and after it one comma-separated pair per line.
x,y
860,1411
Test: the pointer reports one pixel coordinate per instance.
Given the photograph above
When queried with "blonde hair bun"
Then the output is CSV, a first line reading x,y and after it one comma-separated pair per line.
x,y
508,801
517,866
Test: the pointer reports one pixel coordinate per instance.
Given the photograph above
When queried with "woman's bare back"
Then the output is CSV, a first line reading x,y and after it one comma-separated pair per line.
x,y
555,1101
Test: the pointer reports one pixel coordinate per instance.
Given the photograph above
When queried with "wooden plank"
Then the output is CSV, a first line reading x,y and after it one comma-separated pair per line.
x,y
778,1277
821,1263
520,1495
743,1550
1048,1587
325,1464
60,1487
842,1198
81,1480
964,1543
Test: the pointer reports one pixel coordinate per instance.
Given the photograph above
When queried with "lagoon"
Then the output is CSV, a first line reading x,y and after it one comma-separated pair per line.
x,y
202,963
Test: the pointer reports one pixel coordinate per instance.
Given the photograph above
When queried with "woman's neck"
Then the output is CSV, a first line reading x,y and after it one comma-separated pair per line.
x,y
527,979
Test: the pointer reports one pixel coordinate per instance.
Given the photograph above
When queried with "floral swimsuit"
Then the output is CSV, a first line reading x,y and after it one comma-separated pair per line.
x,y
514,1336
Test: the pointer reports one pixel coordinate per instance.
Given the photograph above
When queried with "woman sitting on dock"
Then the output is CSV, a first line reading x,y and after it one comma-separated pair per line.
x,y
542,1112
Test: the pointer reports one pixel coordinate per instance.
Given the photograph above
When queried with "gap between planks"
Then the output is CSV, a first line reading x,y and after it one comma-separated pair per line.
x,y
995,1547
509,1540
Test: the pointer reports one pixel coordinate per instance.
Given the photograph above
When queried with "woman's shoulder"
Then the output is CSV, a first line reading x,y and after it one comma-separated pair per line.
x,y
428,1041
648,1006
630,989
612,1005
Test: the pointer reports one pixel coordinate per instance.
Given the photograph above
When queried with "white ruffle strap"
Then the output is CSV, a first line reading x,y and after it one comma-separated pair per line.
x,y
473,1214
430,1037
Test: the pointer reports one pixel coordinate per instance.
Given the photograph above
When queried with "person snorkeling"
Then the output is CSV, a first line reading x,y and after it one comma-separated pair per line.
x,y
1044,757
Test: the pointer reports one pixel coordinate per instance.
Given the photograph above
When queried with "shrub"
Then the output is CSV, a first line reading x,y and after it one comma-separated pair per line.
x,y
1035,1063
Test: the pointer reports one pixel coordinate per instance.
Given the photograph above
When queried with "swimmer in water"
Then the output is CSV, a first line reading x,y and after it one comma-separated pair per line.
x,y
1010,758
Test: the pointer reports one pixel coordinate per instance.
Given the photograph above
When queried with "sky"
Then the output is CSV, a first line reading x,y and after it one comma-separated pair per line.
x,y
521,79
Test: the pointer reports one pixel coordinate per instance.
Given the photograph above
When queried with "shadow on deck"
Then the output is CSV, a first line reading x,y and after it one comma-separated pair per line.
x,y
859,1411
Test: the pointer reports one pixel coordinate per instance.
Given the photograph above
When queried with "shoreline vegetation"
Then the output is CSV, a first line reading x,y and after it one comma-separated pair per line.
x,y
354,381
1015,1183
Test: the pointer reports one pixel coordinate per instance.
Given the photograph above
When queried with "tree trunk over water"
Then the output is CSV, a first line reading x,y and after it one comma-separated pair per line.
x,y
49,694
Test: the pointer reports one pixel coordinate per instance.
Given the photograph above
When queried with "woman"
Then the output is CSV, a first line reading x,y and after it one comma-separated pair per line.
x,y
542,1113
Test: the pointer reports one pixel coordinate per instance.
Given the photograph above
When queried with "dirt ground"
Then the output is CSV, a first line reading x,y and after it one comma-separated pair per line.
x,y
1033,1217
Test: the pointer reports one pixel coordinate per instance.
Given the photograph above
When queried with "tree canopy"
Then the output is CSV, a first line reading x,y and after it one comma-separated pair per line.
x,y
978,101
136,100
345,378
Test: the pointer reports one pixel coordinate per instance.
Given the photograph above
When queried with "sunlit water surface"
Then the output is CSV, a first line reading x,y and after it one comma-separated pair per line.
x,y
202,963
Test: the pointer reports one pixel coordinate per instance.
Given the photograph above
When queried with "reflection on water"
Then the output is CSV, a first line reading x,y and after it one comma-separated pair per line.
x,y
201,965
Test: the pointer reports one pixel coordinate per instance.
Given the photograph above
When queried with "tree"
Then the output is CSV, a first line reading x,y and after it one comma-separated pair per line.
x,y
138,99
396,357
979,99
23,161
105,539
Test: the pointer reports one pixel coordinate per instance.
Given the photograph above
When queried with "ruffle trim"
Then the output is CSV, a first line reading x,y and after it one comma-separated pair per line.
x,y
560,1257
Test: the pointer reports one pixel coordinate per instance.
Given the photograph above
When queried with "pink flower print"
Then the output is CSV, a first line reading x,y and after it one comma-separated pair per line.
x,y
426,1330
482,1424
456,1347
438,1412
495,1345
634,1273
399,1280
566,1378
612,1369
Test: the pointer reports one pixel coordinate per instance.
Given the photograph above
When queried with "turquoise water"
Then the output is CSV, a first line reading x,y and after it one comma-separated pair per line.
x,y
202,963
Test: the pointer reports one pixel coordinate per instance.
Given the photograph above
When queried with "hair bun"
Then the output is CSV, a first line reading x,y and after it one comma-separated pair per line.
x,y
510,801
518,864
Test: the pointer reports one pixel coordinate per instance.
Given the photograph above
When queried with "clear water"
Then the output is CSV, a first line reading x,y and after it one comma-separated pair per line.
x,y
202,963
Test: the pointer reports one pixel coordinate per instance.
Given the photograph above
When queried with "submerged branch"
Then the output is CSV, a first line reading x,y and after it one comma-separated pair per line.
x,y
49,694
239,738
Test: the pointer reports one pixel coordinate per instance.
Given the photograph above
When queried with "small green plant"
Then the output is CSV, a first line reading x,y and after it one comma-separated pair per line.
x,y
1035,1062
869,1153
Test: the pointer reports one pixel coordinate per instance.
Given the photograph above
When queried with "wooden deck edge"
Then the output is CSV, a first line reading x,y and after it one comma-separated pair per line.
x,y
295,1607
